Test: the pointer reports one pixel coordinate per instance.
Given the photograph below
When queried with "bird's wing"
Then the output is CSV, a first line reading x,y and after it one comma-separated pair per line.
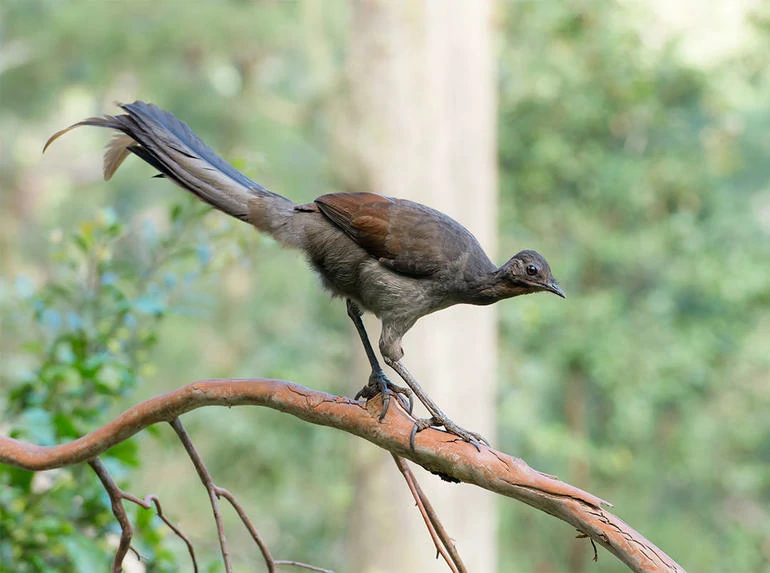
x,y
409,238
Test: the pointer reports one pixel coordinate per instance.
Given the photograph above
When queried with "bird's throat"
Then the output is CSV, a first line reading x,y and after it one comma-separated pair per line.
x,y
493,288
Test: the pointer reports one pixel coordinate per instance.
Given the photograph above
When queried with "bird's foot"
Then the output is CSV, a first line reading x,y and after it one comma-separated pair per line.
x,y
380,384
472,438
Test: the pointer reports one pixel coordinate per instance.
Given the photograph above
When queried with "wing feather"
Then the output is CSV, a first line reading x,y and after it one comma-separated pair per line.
x,y
407,237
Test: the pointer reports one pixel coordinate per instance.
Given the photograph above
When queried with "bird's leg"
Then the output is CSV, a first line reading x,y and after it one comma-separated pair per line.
x,y
438,418
378,382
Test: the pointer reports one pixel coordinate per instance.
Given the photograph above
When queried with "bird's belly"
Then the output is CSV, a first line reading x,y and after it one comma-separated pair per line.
x,y
385,292
379,290
349,271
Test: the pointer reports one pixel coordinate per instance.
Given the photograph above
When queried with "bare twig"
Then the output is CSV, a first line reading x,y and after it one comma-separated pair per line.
x,y
441,539
222,492
208,483
281,562
147,503
582,535
215,492
116,499
434,450
118,510
135,552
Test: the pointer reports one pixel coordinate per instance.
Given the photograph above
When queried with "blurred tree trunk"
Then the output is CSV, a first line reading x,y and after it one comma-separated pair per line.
x,y
419,122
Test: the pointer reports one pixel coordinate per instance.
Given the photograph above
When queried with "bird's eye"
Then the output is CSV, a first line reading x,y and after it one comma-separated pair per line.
x,y
531,270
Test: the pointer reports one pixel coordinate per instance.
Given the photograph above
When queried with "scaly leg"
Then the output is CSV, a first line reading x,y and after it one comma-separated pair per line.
x,y
438,418
378,382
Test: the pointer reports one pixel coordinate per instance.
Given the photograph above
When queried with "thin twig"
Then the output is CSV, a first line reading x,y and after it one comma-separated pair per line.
x,y
436,522
135,552
147,503
269,561
215,492
116,496
582,535
439,543
444,545
208,483
116,500
281,562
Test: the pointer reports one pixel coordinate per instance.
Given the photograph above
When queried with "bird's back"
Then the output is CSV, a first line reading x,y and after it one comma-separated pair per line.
x,y
384,252
407,237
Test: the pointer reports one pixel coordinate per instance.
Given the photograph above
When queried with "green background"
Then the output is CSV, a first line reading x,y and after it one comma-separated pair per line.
x,y
642,177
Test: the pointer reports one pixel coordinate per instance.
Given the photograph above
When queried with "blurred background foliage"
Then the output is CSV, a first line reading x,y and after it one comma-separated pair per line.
x,y
641,175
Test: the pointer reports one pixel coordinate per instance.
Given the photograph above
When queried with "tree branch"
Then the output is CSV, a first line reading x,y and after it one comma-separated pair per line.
x,y
116,500
152,500
435,450
208,483
215,492
117,496
444,545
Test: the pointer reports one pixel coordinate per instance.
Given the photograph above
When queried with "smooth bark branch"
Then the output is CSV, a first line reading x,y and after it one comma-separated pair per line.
x,y
435,450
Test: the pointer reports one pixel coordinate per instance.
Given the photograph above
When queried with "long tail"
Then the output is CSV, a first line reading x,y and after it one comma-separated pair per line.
x,y
170,146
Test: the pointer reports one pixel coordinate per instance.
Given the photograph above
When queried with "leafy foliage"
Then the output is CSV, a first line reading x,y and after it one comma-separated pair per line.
x,y
623,163
94,325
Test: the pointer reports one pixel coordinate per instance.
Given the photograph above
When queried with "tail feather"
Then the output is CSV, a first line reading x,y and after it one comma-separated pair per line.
x,y
117,151
170,146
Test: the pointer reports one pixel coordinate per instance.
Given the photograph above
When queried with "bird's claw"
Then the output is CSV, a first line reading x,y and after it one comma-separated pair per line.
x,y
472,438
380,384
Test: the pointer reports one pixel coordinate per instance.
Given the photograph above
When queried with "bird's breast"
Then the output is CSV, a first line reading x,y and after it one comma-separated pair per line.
x,y
347,270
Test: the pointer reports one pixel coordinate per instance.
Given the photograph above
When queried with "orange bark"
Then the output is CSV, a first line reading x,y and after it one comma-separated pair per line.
x,y
434,450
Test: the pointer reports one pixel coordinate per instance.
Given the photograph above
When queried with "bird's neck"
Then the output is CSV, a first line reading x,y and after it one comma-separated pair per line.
x,y
492,287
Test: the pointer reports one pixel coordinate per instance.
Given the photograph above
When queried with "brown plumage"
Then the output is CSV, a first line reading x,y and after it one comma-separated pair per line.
x,y
396,258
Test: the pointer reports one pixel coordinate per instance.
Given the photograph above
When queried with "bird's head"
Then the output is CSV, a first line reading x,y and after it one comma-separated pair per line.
x,y
528,272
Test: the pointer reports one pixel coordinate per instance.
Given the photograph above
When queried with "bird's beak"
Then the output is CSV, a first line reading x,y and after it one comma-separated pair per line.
x,y
554,288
